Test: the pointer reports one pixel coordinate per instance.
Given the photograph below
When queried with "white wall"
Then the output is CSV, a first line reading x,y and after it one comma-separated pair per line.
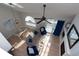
x,y
5,14
4,44
4,53
74,51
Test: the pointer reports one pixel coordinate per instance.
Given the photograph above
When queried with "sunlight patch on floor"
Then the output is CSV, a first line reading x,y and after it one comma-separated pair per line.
x,y
46,45
47,49
19,44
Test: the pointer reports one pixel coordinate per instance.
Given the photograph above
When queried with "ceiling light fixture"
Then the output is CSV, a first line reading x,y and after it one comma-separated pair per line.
x,y
18,5
9,4
13,5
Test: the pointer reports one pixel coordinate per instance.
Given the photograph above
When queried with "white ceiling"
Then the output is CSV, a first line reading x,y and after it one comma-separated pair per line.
x,y
53,10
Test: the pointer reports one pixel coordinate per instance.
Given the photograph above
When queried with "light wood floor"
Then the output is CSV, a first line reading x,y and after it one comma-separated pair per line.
x,y
53,50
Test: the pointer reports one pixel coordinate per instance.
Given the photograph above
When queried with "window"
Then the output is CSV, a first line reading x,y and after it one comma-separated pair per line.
x,y
73,36
30,21
51,27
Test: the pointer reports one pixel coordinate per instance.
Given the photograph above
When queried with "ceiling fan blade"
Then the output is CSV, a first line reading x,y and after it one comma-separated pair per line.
x,y
37,18
40,21
48,21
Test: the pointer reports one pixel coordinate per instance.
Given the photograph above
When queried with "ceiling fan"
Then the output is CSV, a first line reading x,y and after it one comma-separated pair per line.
x,y
43,17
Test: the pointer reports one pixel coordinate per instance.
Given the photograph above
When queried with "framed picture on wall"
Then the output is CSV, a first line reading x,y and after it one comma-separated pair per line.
x,y
63,34
67,25
73,36
62,48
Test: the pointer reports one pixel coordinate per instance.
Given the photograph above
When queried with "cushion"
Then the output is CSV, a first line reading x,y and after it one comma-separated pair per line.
x,y
32,51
